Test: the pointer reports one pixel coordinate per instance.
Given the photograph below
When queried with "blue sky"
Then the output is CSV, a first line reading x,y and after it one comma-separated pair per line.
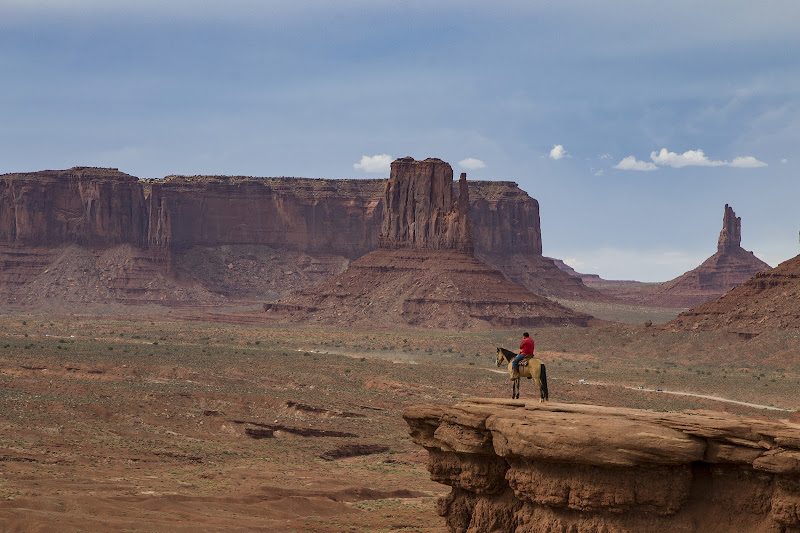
x,y
632,124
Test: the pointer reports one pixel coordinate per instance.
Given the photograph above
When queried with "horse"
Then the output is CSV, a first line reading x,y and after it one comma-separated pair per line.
x,y
534,369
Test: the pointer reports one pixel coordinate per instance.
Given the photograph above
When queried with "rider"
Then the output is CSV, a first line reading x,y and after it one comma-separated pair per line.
x,y
525,349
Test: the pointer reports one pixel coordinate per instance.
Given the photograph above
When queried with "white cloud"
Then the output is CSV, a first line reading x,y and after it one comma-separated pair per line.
x,y
784,160
747,162
631,163
605,156
599,172
374,164
557,152
694,158
471,163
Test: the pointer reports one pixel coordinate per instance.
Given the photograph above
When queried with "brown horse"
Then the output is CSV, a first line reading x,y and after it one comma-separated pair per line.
x,y
534,369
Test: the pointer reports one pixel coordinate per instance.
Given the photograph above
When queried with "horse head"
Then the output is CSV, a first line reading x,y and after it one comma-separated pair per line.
x,y
500,357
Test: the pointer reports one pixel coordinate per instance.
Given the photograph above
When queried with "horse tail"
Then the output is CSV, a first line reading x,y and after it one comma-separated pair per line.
x,y
543,377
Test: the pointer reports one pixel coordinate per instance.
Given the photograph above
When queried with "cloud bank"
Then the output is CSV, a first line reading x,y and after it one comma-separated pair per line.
x,y
374,164
689,158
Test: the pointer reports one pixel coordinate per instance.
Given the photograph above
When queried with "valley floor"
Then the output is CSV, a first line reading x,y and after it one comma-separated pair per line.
x,y
162,424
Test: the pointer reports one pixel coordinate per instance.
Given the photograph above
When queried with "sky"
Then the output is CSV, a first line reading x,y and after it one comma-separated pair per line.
x,y
633,124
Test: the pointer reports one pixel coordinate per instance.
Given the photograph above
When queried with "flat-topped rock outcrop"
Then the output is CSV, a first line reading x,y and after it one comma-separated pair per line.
x,y
423,273
222,237
521,466
83,205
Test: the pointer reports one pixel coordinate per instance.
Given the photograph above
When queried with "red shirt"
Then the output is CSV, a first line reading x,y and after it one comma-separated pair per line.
x,y
526,346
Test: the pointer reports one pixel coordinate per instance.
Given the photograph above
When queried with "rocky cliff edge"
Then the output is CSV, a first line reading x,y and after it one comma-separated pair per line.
x,y
523,467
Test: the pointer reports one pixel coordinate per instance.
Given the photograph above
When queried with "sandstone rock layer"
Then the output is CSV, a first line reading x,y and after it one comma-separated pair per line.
x,y
443,289
519,466
421,211
424,273
769,301
262,238
89,206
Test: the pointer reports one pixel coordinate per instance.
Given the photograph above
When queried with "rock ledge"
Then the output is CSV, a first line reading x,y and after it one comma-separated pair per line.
x,y
523,466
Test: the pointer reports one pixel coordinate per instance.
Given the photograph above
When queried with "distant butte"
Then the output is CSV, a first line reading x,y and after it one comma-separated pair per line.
x,y
731,266
98,236
728,268
423,273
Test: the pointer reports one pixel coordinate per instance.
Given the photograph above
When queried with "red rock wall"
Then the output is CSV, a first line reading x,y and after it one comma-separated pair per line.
x,y
422,211
94,206
332,216
87,206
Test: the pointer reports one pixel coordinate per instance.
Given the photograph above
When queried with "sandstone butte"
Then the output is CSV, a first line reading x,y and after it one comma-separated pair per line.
x,y
519,466
111,236
731,266
423,273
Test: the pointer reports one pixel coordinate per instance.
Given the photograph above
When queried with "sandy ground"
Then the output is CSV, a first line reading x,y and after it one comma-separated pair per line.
x,y
147,425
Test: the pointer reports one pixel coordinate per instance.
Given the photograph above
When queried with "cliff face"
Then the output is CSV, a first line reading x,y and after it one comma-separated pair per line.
x,y
242,236
504,218
331,216
94,206
89,206
424,272
528,467
421,211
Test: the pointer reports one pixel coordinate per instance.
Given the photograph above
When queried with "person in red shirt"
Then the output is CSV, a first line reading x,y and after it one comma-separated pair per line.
x,y
525,349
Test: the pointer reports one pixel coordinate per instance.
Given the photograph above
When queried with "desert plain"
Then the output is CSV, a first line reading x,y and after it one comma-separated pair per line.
x,y
170,422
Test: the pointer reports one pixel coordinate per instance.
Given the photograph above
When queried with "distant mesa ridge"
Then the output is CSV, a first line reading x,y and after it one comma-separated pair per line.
x,y
424,272
86,205
208,238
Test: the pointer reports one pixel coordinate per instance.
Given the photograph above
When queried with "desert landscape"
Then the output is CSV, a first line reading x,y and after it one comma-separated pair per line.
x,y
166,366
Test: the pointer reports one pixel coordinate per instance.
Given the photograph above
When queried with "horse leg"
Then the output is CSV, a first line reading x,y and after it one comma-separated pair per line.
x,y
540,375
515,389
539,384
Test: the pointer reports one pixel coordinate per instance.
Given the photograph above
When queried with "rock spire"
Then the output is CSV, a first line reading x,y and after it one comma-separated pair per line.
x,y
421,211
730,237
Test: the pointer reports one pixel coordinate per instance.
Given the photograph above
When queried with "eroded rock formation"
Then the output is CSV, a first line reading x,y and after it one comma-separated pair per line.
x,y
768,302
89,206
332,216
423,273
238,237
731,266
518,466
421,211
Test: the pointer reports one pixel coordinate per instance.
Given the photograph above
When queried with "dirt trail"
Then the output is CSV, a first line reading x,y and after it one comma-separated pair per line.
x,y
713,398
